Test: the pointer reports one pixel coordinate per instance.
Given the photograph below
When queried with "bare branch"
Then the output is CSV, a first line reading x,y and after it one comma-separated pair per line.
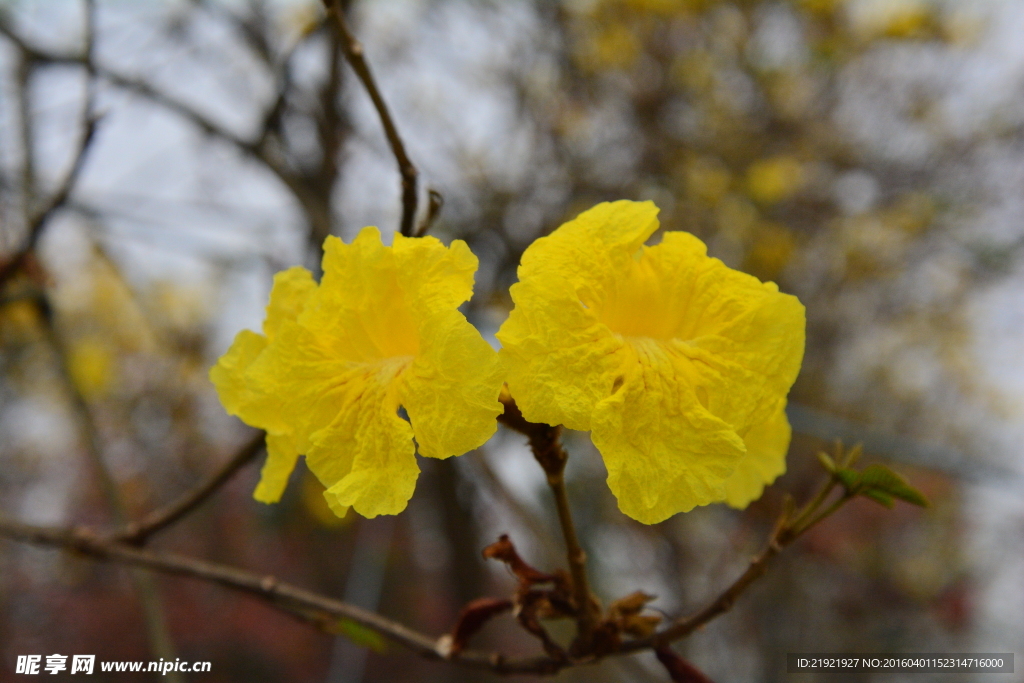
x,y
547,449
354,53
137,533
36,219
324,611
309,606
787,529
435,202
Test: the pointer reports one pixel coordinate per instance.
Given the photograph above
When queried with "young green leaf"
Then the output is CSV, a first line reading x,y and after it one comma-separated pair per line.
x,y
826,461
881,478
850,479
358,634
879,497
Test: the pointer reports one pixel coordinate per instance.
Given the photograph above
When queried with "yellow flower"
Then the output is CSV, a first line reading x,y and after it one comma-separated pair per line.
x,y
667,356
339,362
764,462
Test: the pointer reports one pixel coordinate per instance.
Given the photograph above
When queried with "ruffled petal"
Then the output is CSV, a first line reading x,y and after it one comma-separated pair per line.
x,y
292,289
366,457
584,248
767,445
745,338
560,360
432,276
451,389
560,356
665,453
281,458
228,375
304,382
288,296
359,311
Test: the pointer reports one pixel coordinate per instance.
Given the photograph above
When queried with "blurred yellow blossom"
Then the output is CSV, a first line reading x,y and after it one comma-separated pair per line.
x,y
339,362
91,366
772,249
667,356
775,179
891,18
707,179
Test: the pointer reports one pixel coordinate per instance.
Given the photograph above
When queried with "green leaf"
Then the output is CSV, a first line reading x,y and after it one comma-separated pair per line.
x,y
883,479
879,497
359,634
854,455
850,479
827,462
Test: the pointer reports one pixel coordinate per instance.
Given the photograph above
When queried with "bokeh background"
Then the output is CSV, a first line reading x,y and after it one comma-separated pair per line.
x,y
867,155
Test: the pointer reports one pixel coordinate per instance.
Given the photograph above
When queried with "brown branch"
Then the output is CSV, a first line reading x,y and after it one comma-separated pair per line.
x,y
787,529
354,53
547,449
37,220
322,610
435,202
309,606
137,533
143,89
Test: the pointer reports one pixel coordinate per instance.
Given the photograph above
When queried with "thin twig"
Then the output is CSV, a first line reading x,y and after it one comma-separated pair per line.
x,y
786,531
157,631
137,533
547,449
143,89
435,202
36,219
354,53
324,611
320,609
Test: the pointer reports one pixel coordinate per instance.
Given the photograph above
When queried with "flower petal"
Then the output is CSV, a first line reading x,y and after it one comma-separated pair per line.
x,y
745,338
359,311
281,458
451,389
304,382
228,375
558,353
432,276
665,453
292,289
767,445
560,360
289,294
366,457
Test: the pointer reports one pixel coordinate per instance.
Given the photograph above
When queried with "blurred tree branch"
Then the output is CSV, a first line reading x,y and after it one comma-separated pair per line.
x,y
323,611
137,533
36,218
312,193
354,53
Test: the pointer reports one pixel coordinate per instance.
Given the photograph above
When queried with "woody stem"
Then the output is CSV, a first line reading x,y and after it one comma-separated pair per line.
x,y
577,558
547,449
